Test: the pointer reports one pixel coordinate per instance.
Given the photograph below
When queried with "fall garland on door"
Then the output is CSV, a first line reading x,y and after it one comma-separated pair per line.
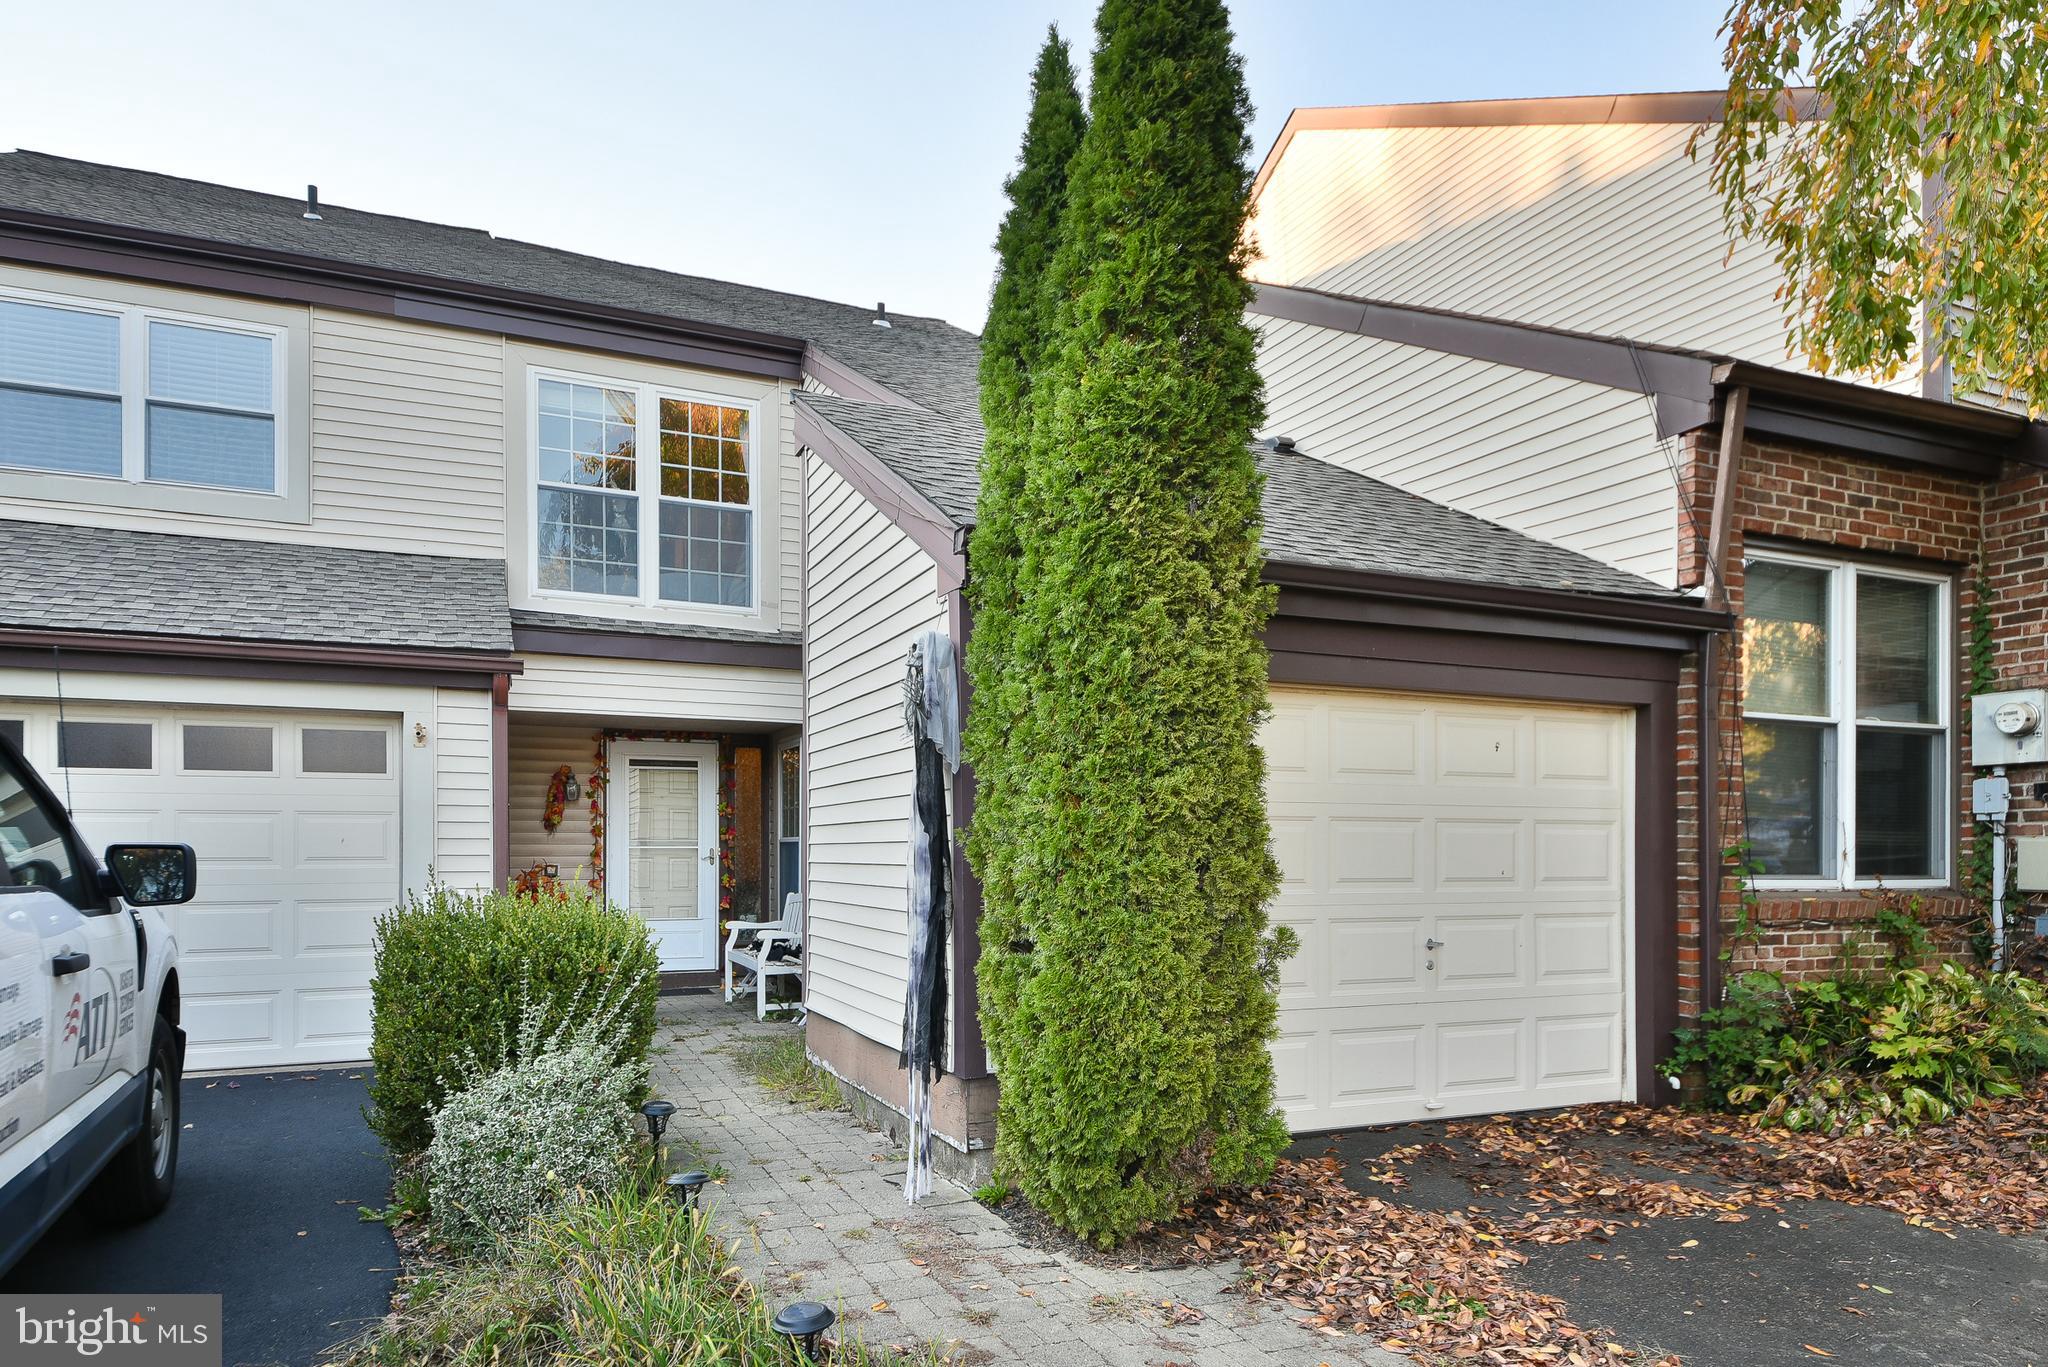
x,y
728,830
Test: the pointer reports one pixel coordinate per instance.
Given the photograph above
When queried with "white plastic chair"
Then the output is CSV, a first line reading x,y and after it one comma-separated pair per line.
x,y
752,955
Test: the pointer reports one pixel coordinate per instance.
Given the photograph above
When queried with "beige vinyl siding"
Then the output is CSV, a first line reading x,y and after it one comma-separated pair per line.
x,y
787,514
872,591
1605,228
1575,464
538,747
462,787
711,697
407,442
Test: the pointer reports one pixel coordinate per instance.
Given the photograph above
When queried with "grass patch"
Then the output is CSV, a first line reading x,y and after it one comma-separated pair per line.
x,y
780,1066
630,1278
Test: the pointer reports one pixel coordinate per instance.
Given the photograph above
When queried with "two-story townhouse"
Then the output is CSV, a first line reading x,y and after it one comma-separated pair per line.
x,y
1487,762
1529,309
358,551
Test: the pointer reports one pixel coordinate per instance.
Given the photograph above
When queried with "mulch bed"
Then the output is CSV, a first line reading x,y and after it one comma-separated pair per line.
x,y
1440,1285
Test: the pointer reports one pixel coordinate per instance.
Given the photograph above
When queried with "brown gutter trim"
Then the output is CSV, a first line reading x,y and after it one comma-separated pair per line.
x,y
914,514
1680,383
1681,614
598,643
1727,488
971,1054
849,383
1959,438
200,263
1734,422
212,648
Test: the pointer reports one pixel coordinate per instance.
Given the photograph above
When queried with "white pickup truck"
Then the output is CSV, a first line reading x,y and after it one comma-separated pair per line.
x,y
90,1049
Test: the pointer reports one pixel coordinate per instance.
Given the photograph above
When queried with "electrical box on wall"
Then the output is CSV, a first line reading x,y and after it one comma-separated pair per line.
x,y
2009,728
2030,871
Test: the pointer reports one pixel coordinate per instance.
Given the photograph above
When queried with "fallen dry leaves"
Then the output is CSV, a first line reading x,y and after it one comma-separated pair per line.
x,y
1433,1284
1985,1169
1440,1285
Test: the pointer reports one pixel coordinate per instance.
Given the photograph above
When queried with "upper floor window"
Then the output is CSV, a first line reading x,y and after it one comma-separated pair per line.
x,y
643,494
138,394
1846,752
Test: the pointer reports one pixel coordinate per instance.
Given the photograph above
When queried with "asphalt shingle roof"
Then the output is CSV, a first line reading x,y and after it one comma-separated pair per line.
x,y
1317,513
917,357
161,584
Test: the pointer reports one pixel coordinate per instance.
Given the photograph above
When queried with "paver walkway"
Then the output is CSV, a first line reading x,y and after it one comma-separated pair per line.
x,y
815,1204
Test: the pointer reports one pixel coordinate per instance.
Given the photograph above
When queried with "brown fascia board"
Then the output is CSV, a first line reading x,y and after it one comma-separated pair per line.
x,y
195,650
1676,621
848,383
1679,382
1675,106
201,263
1956,438
599,643
913,514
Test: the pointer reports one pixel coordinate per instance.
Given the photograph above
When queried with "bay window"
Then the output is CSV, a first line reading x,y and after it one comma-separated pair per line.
x,y
1845,736
643,494
136,394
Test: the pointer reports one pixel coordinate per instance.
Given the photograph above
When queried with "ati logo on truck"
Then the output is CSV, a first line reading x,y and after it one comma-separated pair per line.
x,y
86,1022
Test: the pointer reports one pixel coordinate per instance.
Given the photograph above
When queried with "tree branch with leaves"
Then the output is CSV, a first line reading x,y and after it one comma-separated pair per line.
x,y
1915,177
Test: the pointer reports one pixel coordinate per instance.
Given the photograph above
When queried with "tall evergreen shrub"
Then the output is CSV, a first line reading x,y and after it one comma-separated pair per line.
x,y
1132,1048
1013,341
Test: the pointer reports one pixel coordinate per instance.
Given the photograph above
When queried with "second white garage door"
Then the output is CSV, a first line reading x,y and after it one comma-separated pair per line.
x,y
295,819
1458,874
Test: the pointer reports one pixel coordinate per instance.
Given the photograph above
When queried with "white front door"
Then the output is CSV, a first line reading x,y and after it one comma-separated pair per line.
x,y
661,846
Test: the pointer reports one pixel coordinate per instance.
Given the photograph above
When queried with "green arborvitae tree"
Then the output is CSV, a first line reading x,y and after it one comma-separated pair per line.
x,y
1132,1048
1011,345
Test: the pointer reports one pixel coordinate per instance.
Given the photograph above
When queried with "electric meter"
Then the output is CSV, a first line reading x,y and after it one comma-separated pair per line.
x,y
2005,728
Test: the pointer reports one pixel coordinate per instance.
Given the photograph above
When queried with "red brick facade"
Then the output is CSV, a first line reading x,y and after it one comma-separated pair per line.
x,y
1826,501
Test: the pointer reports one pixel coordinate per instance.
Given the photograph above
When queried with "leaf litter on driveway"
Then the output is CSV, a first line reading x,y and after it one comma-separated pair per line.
x,y
1440,1285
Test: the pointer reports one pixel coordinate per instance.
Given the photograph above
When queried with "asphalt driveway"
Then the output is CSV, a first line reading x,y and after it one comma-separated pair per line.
x,y
271,1169
1855,1282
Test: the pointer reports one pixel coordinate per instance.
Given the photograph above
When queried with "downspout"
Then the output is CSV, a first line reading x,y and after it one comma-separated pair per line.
x,y
1734,421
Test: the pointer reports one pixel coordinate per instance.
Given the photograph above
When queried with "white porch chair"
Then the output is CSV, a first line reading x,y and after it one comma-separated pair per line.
x,y
746,947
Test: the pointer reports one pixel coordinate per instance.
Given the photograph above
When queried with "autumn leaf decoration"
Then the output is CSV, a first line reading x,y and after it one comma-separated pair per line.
x,y
558,799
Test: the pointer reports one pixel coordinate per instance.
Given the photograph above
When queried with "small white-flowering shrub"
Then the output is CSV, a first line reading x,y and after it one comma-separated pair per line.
x,y
517,1142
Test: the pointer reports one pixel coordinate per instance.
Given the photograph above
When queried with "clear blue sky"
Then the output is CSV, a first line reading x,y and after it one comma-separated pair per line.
x,y
850,150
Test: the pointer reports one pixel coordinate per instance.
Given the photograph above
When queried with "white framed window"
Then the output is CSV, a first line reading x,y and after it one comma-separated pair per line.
x,y
1847,746
644,493
141,394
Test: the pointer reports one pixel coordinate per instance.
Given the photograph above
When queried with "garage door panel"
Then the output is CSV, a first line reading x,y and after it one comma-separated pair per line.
x,y
1473,852
337,1017
225,930
1376,853
1375,746
1579,854
326,929
1477,749
1497,831
1578,950
222,1021
365,840
238,843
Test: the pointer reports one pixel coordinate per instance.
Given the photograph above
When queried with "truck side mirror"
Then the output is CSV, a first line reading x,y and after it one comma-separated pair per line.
x,y
153,875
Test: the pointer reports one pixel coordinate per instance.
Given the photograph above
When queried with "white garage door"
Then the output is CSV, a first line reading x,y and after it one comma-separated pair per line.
x,y
1458,874
295,821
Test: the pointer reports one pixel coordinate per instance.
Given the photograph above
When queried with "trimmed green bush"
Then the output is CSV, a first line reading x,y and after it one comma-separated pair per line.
x,y
1896,1049
453,970
1123,836
518,1142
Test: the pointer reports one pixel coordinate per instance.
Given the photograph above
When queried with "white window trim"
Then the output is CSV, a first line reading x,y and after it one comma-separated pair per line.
x,y
647,492
1841,658
135,398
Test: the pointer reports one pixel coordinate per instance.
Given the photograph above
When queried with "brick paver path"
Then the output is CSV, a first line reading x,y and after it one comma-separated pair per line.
x,y
814,1203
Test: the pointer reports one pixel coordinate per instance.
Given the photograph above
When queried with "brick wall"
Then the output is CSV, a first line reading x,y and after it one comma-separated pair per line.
x,y
1824,500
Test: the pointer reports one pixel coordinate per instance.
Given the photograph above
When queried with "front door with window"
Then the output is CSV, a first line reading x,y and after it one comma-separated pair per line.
x,y
661,846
